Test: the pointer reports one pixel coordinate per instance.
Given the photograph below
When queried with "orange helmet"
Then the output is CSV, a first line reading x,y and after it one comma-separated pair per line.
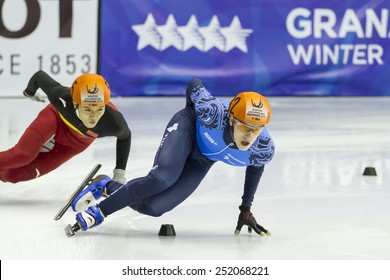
x,y
250,108
90,90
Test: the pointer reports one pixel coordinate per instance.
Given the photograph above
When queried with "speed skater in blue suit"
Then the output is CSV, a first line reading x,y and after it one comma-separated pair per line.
x,y
206,131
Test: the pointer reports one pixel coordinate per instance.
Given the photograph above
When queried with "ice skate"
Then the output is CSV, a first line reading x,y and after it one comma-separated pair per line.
x,y
83,184
91,194
90,217
86,220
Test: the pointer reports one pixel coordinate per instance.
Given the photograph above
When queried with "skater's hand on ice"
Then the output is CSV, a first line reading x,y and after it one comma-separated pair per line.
x,y
36,97
119,176
247,218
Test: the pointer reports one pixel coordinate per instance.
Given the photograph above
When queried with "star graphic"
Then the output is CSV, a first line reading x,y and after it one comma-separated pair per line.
x,y
170,37
147,34
212,37
235,36
190,34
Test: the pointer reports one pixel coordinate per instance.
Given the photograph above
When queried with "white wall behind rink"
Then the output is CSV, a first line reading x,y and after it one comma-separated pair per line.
x,y
63,55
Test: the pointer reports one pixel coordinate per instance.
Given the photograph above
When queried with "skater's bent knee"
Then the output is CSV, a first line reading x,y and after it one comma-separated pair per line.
x,y
150,210
5,177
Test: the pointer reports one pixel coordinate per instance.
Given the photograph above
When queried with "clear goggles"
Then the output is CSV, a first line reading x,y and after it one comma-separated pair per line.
x,y
244,127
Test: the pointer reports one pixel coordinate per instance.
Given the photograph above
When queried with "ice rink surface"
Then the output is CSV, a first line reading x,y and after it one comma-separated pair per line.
x,y
312,197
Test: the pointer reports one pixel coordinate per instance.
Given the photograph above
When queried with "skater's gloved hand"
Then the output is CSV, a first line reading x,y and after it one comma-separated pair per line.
x,y
119,176
36,97
247,218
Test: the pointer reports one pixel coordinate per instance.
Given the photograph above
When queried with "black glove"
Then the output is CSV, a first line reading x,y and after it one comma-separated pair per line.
x,y
247,218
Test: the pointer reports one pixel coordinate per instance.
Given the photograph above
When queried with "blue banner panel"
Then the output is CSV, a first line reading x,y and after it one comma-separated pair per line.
x,y
276,47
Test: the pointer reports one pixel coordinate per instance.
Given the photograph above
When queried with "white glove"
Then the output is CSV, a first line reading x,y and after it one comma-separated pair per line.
x,y
119,176
36,97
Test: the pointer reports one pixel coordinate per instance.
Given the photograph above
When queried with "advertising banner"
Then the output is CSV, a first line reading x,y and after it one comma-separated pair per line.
x,y
277,47
57,36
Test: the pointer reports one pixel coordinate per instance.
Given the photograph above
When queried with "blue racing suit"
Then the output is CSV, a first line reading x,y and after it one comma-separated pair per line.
x,y
195,138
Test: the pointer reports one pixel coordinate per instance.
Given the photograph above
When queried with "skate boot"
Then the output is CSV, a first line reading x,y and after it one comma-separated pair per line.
x,y
91,194
90,218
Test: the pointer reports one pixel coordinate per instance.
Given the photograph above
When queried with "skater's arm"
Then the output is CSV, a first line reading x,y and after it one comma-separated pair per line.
x,y
252,179
122,151
123,145
41,80
209,109
122,155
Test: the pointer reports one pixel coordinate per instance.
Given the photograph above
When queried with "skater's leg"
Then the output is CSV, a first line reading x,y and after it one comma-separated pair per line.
x,y
39,132
46,144
177,144
192,175
41,165
29,145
